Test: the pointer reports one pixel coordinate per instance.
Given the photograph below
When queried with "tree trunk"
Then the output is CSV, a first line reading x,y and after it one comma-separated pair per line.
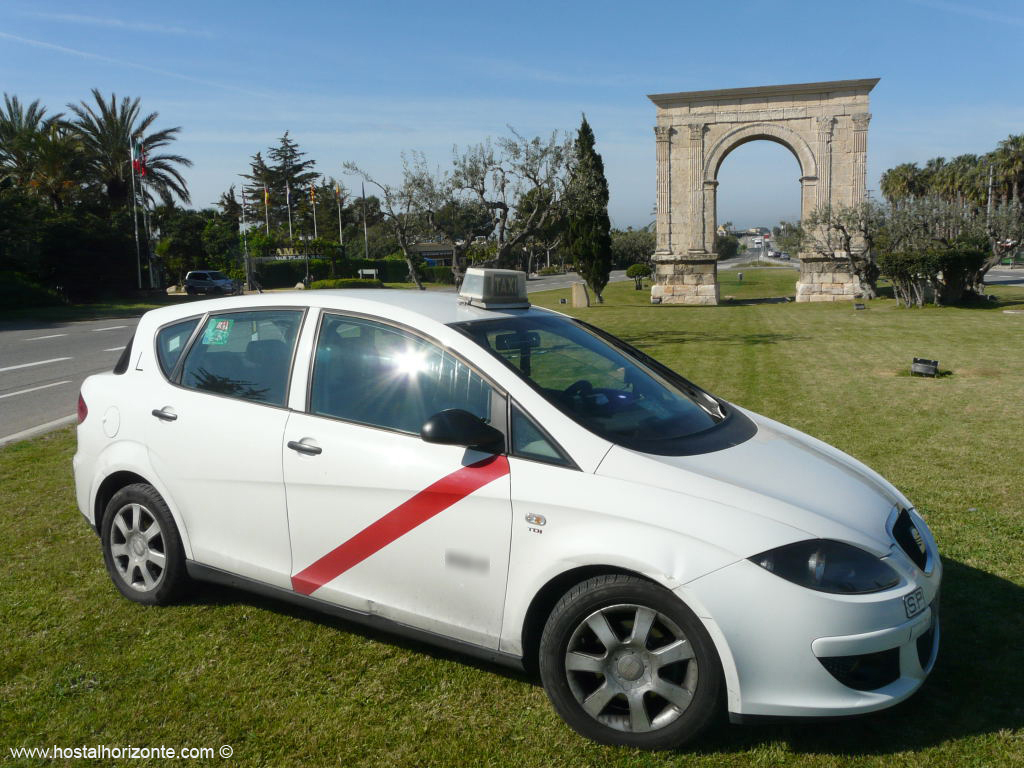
x,y
413,277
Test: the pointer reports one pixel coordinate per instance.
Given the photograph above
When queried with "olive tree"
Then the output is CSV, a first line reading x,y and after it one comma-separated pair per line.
x,y
848,233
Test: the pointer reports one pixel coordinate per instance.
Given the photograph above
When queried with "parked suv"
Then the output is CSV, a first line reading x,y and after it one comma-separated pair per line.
x,y
209,281
516,484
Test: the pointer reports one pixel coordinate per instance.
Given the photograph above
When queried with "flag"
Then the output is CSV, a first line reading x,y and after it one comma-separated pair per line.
x,y
266,197
287,194
312,194
337,190
138,158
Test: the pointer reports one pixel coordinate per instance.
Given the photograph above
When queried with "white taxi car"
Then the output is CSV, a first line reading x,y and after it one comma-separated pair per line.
x,y
516,484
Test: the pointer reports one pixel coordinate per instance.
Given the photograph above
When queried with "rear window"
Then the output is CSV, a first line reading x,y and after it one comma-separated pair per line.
x,y
170,343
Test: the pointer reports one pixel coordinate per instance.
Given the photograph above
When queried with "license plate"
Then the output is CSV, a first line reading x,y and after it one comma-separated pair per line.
x,y
914,602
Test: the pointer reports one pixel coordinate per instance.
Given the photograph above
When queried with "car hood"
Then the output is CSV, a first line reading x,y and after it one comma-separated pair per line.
x,y
779,474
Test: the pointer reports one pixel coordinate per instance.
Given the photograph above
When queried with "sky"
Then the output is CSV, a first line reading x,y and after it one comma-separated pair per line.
x,y
365,81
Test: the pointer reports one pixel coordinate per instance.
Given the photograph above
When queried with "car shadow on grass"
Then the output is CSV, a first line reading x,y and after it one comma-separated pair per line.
x,y
218,594
974,689
658,338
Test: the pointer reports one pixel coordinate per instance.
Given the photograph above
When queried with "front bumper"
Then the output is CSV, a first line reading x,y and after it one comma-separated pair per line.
x,y
788,651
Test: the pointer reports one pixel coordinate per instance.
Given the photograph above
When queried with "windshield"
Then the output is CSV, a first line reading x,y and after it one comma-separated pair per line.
x,y
218,276
603,384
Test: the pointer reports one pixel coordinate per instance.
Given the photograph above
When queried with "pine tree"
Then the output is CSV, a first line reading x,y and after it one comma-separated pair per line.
x,y
589,235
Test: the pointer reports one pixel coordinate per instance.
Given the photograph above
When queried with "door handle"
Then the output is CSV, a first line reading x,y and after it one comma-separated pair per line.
x,y
309,450
164,415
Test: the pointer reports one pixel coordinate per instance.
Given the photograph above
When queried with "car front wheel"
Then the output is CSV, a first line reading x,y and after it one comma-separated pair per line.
x,y
141,546
625,662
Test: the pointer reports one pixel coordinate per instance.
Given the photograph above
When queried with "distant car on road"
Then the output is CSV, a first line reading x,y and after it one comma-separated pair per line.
x,y
209,281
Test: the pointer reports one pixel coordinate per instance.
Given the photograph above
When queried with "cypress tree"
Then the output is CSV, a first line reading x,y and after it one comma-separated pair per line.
x,y
589,235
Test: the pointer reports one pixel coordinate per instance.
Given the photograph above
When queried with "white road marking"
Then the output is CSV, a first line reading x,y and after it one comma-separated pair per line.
x,y
40,338
115,349
38,429
111,328
34,389
29,365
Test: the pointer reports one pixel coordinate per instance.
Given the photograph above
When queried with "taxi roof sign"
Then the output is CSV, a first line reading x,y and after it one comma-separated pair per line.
x,y
494,289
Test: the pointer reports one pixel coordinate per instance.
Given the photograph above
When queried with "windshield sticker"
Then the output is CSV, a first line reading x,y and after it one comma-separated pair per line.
x,y
217,331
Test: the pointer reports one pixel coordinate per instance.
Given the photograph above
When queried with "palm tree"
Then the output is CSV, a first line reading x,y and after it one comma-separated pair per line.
x,y
1010,163
107,133
19,128
59,164
904,182
932,174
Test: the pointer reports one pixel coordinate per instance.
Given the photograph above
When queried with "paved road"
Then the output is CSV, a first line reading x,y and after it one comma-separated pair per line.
x,y
42,366
1005,276
553,282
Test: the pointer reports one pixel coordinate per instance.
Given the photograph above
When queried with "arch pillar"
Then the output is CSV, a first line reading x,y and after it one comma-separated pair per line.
x,y
663,206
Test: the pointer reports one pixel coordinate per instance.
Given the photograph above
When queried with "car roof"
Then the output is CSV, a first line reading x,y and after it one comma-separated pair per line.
x,y
400,304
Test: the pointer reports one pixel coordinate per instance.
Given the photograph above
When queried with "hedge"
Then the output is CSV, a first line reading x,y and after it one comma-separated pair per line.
x,y
285,274
18,290
346,282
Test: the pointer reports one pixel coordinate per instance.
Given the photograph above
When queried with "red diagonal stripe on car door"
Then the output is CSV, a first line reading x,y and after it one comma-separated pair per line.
x,y
429,502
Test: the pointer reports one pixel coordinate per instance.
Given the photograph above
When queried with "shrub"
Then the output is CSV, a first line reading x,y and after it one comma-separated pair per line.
x,y
638,272
439,275
346,282
550,271
17,290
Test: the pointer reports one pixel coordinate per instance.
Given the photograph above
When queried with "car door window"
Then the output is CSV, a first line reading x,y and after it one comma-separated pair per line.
x,y
375,374
170,343
244,354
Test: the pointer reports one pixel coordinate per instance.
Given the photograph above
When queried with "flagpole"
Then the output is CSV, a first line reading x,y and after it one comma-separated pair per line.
x,y
147,220
341,232
135,213
245,246
288,200
366,237
266,207
312,200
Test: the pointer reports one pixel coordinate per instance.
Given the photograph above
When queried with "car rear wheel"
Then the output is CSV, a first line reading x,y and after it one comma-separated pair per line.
x,y
625,662
141,546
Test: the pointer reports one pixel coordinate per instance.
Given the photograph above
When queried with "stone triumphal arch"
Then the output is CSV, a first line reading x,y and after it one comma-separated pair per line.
x,y
824,125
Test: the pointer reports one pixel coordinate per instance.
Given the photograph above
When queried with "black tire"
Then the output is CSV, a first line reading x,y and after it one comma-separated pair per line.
x,y
190,290
628,670
146,565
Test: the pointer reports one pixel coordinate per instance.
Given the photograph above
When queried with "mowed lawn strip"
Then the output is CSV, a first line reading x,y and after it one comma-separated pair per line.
x,y
284,686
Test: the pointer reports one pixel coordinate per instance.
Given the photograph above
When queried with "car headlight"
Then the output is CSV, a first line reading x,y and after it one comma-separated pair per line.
x,y
828,566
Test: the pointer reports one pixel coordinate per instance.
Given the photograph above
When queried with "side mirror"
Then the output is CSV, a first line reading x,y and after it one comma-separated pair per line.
x,y
455,426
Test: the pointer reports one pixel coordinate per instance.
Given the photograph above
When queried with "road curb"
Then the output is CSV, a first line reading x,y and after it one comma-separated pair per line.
x,y
39,429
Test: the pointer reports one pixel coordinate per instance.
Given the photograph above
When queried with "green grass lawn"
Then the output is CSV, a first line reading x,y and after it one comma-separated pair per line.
x,y
284,686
